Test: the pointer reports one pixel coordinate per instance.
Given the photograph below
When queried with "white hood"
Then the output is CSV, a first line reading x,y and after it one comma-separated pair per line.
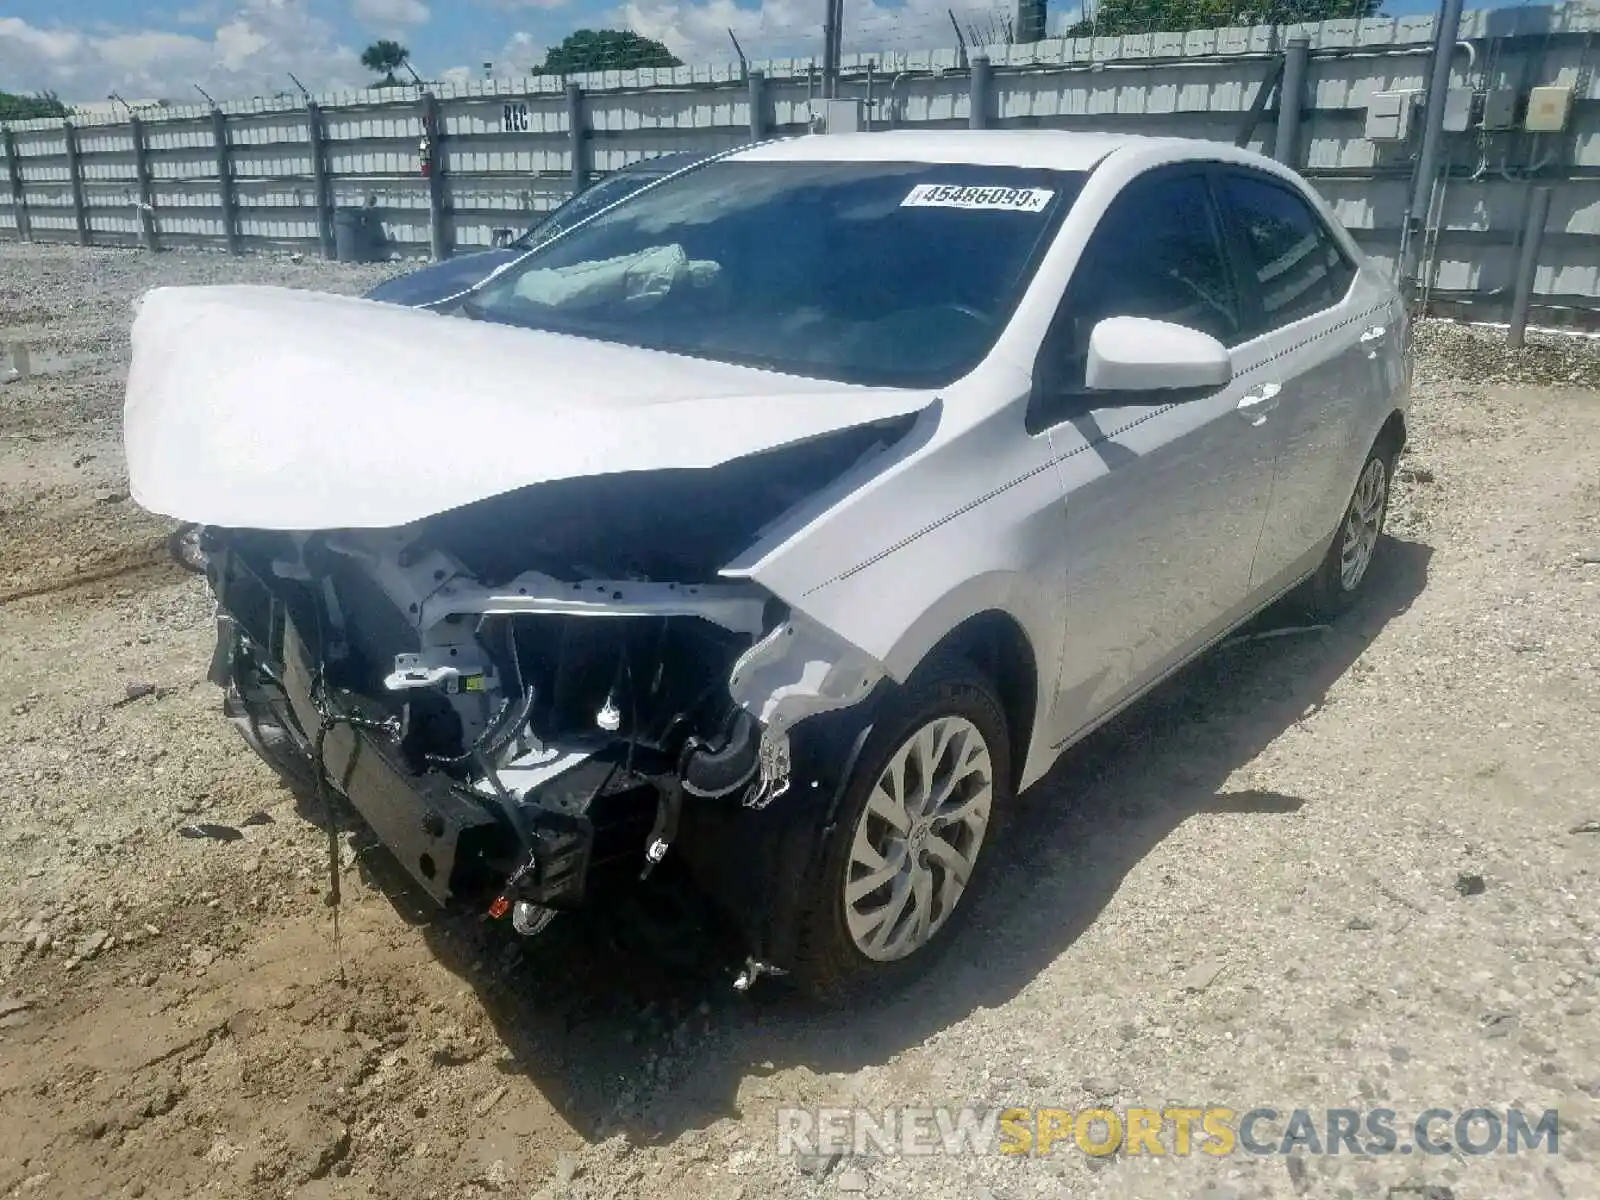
x,y
272,408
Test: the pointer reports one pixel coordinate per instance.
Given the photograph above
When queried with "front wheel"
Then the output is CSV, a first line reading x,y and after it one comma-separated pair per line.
x,y
915,830
1348,564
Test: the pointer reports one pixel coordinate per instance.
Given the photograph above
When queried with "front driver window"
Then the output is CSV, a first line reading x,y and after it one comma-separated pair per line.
x,y
1156,253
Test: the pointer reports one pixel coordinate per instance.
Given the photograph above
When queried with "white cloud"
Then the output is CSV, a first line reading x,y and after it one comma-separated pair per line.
x,y
698,32
247,53
520,55
390,14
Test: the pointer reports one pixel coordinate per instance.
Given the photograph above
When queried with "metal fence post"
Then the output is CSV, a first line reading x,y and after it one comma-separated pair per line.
x,y
1291,101
227,196
978,106
80,211
758,106
1445,33
319,175
19,197
438,239
575,132
141,175
1528,264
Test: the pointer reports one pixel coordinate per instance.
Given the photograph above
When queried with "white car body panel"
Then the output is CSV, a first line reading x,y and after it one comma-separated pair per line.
x,y
359,394
1120,543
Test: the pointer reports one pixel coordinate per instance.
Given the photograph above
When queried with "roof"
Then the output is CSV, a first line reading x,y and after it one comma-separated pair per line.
x,y
664,163
1057,149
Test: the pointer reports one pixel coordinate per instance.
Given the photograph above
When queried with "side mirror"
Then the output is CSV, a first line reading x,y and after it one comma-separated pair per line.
x,y
1137,354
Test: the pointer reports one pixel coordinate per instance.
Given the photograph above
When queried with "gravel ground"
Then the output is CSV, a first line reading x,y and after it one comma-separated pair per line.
x,y
1348,869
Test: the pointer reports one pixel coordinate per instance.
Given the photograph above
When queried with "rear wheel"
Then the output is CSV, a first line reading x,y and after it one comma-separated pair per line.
x,y
1348,564
913,836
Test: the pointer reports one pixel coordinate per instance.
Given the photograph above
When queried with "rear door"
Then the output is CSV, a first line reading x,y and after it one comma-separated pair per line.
x,y
1165,496
1320,328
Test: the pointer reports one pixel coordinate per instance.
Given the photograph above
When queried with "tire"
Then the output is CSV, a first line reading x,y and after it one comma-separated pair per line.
x,y
183,544
1346,568
839,950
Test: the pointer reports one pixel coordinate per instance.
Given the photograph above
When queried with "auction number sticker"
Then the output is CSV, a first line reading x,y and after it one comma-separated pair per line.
x,y
1005,199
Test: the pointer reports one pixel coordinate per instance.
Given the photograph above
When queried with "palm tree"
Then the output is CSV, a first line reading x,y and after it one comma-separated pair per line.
x,y
385,57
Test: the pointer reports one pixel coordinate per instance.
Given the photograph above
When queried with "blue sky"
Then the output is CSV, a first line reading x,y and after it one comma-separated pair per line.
x,y
84,49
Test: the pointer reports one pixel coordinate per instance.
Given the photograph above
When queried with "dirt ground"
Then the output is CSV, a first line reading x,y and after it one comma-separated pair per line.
x,y
1354,868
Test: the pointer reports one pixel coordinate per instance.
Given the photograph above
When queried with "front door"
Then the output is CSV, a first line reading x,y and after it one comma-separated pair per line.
x,y
1165,497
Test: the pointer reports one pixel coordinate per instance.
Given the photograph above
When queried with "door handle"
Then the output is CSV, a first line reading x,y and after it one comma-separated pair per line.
x,y
1254,406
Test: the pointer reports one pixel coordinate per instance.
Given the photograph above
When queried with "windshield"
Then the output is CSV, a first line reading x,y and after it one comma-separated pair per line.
x,y
591,200
900,274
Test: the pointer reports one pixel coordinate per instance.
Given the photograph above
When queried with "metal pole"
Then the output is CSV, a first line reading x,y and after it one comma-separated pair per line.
x,y
141,174
1291,101
758,105
80,206
978,99
227,196
433,131
321,181
19,196
830,48
1528,264
1445,35
580,170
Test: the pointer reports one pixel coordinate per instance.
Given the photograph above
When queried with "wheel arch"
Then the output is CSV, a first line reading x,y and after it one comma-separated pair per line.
x,y
1393,431
995,642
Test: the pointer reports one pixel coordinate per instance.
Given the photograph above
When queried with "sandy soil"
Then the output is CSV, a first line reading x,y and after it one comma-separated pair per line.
x,y
1249,891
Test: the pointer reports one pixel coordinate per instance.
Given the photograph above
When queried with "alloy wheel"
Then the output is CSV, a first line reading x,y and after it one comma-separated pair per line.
x,y
1362,525
918,838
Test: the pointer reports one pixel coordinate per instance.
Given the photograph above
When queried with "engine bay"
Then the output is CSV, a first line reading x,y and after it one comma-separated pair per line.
x,y
522,693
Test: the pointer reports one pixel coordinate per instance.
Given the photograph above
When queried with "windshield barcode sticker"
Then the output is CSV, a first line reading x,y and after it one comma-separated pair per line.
x,y
945,195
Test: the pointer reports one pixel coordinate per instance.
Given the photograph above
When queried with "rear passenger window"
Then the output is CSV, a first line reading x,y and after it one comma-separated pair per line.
x,y
1298,268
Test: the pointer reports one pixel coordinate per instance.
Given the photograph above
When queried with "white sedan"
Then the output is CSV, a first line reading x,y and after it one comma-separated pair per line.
x,y
771,529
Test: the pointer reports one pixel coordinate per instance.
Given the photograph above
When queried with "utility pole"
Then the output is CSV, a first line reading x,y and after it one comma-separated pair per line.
x,y
1446,32
832,43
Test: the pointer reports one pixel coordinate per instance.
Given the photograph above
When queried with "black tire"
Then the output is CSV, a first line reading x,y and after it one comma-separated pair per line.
x,y
1329,593
828,966
183,544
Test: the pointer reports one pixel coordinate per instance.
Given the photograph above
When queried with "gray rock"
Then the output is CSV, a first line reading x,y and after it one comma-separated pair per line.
x,y
326,1153
93,944
567,1168
1533,1043
1202,975
483,1107
816,1164
852,1181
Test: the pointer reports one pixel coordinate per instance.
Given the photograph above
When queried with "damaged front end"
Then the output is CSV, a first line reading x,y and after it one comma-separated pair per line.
x,y
538,696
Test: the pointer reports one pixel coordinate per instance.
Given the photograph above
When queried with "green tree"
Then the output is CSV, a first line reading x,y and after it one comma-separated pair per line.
x,y
606,50
20,108
385,57
1112,17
